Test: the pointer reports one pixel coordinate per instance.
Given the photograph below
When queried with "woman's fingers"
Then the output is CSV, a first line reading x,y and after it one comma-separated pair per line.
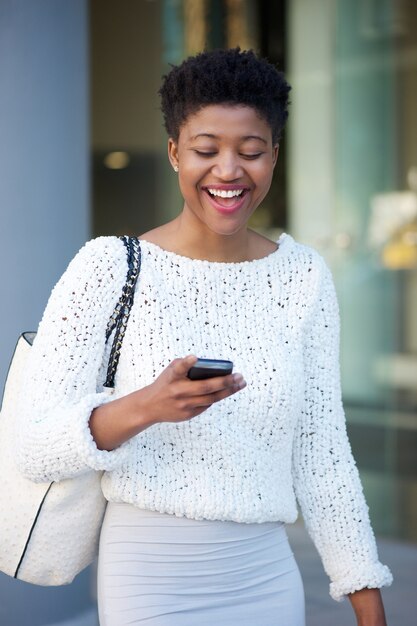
x,y
180,367
188,398
210,385
205,387
209,399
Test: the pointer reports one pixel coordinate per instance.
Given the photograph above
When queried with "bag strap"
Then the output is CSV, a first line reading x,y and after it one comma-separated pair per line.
x,y
118,320
122,310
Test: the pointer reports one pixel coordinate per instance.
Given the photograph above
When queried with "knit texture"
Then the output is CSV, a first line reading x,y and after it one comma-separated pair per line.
x,y
247,458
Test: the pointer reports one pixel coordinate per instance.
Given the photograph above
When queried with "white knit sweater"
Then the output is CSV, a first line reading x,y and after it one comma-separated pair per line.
x,y
248,457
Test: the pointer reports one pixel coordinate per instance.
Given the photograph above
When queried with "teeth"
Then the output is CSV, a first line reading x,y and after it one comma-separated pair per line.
x,y
226,194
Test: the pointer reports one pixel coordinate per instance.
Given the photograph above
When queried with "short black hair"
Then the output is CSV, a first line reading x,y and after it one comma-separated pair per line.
x,y
229,76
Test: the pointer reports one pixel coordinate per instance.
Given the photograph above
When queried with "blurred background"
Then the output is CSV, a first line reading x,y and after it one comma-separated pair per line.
x,y
83,153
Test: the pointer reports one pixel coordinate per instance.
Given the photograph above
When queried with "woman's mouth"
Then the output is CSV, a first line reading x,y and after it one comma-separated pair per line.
x,y
226,200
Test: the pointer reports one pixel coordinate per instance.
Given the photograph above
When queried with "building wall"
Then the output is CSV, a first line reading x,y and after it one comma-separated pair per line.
x,y
44,154
44,210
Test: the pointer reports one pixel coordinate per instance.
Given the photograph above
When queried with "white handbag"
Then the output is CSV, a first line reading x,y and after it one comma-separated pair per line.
x,y
49,531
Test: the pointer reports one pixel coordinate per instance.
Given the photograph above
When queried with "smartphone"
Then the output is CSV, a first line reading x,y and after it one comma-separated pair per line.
x,y
208,368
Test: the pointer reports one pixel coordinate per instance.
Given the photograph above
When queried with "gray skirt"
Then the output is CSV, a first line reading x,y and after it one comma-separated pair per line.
x,y
162,570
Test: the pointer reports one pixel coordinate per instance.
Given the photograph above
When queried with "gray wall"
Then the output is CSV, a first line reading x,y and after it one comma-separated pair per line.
x,y
44,209
44,143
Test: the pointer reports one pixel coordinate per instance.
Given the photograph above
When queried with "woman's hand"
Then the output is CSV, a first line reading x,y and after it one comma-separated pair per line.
x,y
368,607
172,397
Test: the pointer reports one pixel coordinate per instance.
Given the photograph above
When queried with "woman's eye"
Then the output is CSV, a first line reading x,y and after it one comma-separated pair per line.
x,y
252,156
207,154
245,156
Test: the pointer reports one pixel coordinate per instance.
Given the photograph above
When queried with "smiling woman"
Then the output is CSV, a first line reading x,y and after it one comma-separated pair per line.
x,y
225,158
224,138
201,476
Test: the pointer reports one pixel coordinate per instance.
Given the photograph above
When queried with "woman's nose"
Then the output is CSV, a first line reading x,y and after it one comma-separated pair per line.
x,y
227,167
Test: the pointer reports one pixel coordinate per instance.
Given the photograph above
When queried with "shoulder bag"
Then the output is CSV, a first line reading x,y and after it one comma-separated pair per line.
x,y
49,531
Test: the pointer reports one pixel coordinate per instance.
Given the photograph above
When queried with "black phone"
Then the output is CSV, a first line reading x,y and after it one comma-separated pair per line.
x,y
208,368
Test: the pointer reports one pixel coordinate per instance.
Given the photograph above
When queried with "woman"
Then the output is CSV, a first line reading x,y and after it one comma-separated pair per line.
x,y
201,476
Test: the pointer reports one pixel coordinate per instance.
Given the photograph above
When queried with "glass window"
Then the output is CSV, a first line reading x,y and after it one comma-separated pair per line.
x,y
353,195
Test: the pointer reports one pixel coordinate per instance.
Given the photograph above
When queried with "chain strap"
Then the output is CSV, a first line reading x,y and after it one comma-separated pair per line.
x,y
121,313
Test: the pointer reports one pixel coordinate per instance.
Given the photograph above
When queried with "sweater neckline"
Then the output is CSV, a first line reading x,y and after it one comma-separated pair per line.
x,y
155,250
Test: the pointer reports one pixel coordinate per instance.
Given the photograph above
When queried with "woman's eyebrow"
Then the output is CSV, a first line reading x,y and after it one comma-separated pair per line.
x,y
204,135
245,138
254,137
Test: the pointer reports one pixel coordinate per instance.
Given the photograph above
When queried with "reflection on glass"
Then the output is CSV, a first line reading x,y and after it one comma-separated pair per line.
x,y
353,196
195,26
241,24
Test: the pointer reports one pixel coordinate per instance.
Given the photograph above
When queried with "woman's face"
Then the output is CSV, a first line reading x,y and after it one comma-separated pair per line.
x,y
226,161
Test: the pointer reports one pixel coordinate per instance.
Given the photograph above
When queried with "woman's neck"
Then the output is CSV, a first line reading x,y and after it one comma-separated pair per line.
x,y
188,237
205,244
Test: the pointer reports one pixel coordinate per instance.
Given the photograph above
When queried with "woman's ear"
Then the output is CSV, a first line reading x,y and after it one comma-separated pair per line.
x,y
275,151
173,153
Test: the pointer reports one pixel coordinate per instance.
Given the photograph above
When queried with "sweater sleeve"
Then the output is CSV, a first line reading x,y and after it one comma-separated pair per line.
x,y
326,478
61,383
